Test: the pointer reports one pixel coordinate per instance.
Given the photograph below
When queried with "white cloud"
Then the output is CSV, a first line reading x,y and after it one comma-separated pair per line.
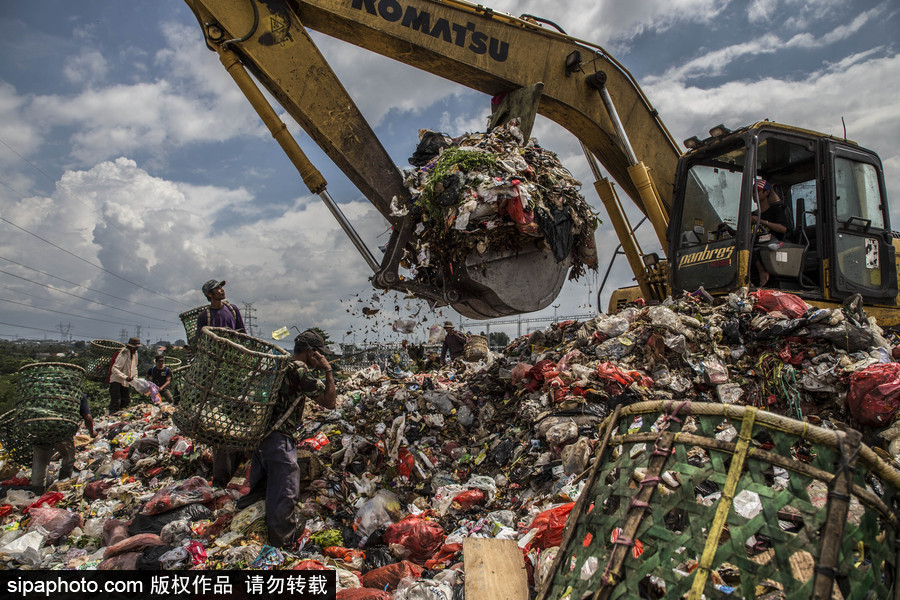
x,y
88,67
863,92
617,21
761,10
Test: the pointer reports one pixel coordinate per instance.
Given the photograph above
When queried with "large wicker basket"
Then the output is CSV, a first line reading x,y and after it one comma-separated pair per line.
x,y
665,512
229,389
46,411
476,348
102,353
189,320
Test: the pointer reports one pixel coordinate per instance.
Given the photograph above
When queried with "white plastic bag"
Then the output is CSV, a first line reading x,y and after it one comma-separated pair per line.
x,y
141,386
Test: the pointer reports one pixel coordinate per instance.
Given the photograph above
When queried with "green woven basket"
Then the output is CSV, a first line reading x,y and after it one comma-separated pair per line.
x,y
230,388
101,352
16,442
666,510
50,386
189,320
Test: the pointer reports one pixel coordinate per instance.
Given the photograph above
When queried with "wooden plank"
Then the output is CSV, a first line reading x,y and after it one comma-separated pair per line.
x,y
495,569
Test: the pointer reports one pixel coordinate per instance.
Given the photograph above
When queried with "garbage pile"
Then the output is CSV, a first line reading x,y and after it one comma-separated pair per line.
x,y
410,465
496,191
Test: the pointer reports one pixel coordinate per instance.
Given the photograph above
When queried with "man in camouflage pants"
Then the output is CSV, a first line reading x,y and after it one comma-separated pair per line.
x,y
274,472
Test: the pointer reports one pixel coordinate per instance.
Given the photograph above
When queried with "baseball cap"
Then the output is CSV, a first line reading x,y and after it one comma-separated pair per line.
x,y
210,285
308,339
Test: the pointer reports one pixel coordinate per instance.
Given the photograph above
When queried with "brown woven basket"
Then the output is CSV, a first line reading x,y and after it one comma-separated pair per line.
x,y
691,500
101,353
229,389
476,348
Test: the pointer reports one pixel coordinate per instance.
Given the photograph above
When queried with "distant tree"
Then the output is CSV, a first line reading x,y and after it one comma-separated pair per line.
x,y
322,332
498,338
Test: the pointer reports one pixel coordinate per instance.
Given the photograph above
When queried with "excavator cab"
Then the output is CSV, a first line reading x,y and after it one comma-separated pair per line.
x,y
837,239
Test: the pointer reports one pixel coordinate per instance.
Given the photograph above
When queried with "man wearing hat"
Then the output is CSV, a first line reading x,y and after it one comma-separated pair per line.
x,y
454,343
274,472
122,371
220,312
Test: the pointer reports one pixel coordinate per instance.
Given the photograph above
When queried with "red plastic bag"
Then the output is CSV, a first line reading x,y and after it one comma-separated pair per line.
x,y
309,565
789,305
405,463
420,536
388,576
550,524
468,499
444,556
542,371
611,372
48,499
874,394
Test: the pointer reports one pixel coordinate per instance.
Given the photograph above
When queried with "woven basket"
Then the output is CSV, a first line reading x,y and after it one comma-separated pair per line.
x,y
172,362
50,386
16,442
476,348
49,396
826,527
230,388
101,352
189,320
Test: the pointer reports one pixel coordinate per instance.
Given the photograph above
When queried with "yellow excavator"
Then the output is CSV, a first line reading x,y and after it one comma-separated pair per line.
x,y
703,204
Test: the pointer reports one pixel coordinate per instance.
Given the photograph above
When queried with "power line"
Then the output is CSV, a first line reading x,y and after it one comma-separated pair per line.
x,y
87,337
134,283
81,286
38,169
59,312
50,287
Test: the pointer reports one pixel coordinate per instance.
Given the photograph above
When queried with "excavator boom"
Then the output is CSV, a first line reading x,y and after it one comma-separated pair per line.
x,y
488,51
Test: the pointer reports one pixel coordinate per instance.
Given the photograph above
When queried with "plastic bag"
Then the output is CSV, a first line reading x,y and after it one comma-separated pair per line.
x,y
388,577
418,535
789,305
57,522
191,491
380,510
141,386
25,549
248,516
873,394
423,589
155,523
404,325
550,524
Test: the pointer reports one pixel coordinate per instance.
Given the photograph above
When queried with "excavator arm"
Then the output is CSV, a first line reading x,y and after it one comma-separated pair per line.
x,y
584,90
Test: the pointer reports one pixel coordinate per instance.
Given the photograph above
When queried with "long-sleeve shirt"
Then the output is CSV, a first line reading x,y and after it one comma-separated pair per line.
x,y
123,367
455,343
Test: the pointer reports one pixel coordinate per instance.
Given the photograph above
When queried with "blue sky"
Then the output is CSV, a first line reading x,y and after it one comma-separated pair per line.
x,y
132,169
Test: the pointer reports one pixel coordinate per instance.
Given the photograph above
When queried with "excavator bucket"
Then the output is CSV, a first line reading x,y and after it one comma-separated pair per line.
x,y
497,284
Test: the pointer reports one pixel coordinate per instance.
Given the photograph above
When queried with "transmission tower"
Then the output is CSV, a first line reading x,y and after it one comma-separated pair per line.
x,y
64,332
249,313
123,336
137,333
